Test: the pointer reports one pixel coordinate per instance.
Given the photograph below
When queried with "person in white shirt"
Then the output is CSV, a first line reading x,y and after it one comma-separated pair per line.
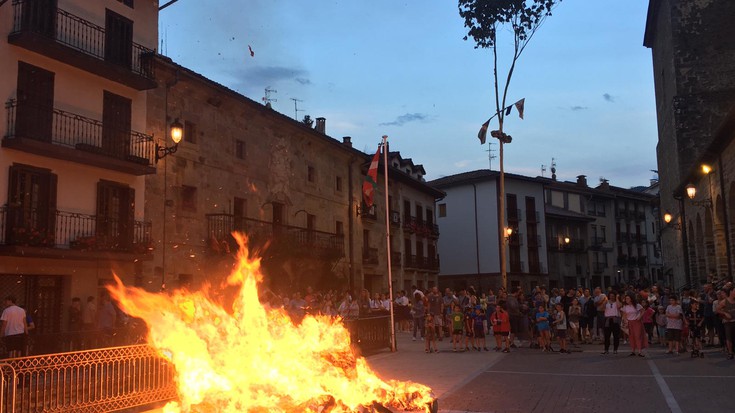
x,y
674,324
632,312
13,327
611,314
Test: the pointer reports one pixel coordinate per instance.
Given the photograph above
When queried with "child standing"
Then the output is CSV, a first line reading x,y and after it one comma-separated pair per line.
x,y
695,318
647,320
457,322
468,322
542,324
501,327
478,329
674,324
430,334
661,325
560,322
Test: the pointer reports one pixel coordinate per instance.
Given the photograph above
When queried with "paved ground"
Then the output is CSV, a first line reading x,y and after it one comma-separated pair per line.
x,y
584,381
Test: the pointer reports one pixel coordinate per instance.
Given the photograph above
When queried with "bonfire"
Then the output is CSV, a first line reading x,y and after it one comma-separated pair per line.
x,y
252,358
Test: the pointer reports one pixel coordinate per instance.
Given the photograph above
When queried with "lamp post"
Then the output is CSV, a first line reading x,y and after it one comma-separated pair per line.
x,y
176,131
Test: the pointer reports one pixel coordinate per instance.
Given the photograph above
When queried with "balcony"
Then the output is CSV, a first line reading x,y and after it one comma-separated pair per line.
x,y
599,267
368,213
534,241
370,256
396,259
60,234
642,261
622,260
56,33
640,216
420,227
431,263
515,239
514,215
285,240
395,218
533,217
72,137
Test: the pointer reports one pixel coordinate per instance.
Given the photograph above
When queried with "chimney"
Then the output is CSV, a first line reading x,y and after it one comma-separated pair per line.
x,y
347,141
582,180
321,125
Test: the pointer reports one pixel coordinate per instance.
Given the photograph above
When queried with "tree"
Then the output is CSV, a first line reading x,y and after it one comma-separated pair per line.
x,y
484,19
308,121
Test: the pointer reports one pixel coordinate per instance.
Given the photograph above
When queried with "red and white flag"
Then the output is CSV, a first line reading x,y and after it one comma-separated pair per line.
x,y
371,180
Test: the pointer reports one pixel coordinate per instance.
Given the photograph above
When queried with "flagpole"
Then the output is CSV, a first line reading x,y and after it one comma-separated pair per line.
x,y
387,245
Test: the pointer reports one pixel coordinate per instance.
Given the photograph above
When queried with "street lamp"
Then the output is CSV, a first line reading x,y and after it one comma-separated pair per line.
x,y
706,169
177,132
567,240
668,217
692,193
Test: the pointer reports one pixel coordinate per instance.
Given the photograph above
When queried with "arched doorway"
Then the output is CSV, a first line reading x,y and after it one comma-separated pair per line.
x,y
709,247
699,244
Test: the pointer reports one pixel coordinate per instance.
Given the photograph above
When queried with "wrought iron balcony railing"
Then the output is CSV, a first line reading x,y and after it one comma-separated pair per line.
x,y
41,18
78,132
67,230
370,256
284,238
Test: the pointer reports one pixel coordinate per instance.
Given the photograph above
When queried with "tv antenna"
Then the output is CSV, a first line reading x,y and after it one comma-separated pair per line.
x,y
491,154
543,170
267,99
553,169
296,109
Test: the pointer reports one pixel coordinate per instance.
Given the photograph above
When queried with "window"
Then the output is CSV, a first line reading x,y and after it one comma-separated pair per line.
x,y
128,3
240,211
240,149
34,113
310,174
115,215
339,228
338,184
189,198
31,205
442,210
118,40
190,132
116,116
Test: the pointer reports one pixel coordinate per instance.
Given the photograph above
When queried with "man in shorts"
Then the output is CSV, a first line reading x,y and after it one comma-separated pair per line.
x,y
436,302
513,307
674,324
13,327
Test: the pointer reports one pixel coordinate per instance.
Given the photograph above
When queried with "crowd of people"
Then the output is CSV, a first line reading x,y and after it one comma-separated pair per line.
x,y
558,320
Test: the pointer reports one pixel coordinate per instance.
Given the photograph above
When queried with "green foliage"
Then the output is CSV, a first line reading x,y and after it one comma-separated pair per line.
x,y
484,17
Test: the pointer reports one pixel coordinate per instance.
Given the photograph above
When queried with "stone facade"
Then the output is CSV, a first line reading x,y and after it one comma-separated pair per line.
x,y
693,54
295,191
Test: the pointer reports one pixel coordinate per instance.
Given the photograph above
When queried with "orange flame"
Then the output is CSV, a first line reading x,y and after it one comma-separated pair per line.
x,y
254,359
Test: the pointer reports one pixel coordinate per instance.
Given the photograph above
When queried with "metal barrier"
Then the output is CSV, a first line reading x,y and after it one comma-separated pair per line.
x,y
91,381
116,378
369,333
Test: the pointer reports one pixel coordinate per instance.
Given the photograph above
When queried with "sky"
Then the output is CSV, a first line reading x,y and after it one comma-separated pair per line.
x,y
402,69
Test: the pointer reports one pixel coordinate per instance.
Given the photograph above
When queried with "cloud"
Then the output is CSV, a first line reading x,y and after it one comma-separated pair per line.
x,y
578,108
258,77
408,117
608,97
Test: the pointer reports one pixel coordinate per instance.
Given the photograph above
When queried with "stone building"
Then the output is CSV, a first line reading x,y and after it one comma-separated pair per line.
x,y
693,49
470,243
75,149
295,192
601,236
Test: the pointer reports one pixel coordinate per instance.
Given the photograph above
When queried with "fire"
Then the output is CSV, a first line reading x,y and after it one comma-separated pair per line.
x,y
254,359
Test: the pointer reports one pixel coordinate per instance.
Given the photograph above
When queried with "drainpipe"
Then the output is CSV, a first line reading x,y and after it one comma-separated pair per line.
x,y
726,216
350,225
477,240
684,243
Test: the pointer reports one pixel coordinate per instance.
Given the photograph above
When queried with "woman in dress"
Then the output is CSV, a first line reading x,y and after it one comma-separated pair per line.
x,y
633,312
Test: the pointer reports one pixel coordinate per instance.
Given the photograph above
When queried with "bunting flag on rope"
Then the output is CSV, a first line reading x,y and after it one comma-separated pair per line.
x,y
519,107
482,134
371,180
